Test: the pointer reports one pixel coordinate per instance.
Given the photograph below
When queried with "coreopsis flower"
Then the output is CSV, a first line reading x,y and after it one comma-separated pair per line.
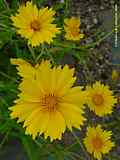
x,y
48,103
98,141
115,75
72,29
35,24
100,99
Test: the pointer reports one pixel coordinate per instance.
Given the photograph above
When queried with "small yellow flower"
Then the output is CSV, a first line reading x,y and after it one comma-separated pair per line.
x,y
48,103
115,75
98,141
72,29
35,24
100,99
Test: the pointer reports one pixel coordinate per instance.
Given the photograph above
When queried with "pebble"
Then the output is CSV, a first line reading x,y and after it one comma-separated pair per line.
x,y
95,21
101,8
89,9
88,26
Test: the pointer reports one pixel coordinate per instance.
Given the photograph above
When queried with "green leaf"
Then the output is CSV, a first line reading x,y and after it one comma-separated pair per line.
x,y
14,4
2,5
28,147
5,36
38,2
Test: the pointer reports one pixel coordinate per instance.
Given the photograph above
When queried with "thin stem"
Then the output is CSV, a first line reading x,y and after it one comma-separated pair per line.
x,y
38,143
67,3
8,77
32,52
6,4
81,145
103,38
75,155
3,101
7,11
5,27
50,56
69,147
41,53
3,16
14,91
71,157
57,44
4,139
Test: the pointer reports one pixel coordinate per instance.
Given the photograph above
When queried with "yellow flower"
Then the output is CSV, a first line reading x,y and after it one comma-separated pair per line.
x,y
98,141
72,29
115,75
48,103
100,99
35,24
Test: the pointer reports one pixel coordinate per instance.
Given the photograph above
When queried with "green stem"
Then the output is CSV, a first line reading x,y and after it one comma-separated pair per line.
x,y
81,145
3,16
5,27
75,155
6,4
103,38
50,56
8,11
40,55
32,52
66,7
71,146
8,77
4,139
28,147
38,143
71,157
4,102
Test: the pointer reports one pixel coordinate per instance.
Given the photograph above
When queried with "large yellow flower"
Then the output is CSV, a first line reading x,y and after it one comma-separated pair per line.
x,y
48,103
98,141
72,29
35,24
100,99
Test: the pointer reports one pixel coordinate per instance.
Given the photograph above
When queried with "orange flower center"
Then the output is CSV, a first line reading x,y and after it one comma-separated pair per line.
x,y
35,25
98,99
74,31
97,143
49,102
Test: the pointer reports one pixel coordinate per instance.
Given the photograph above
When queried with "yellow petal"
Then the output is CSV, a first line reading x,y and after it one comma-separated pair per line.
x,y
72,115
54,131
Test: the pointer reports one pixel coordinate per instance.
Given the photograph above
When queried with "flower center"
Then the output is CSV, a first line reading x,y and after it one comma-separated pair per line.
x,y
35,25
97,143
98,99
74,31
49,102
